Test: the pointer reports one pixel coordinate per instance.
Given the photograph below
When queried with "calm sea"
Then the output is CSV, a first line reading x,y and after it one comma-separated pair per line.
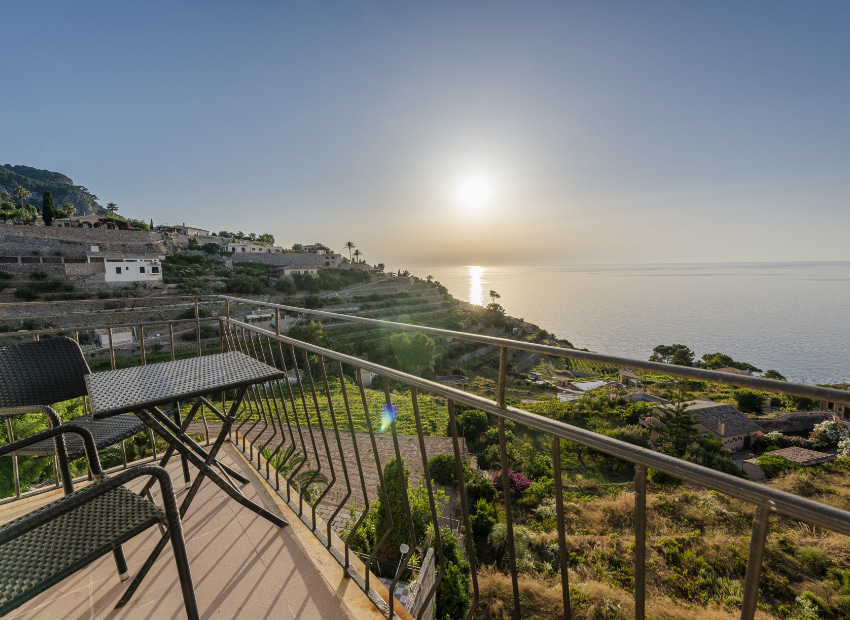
x,y
791,317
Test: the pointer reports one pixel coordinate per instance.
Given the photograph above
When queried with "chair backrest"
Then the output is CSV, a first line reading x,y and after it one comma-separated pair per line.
x,y
42,373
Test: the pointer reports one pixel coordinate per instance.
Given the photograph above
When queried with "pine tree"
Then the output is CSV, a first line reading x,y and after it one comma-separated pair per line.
x,y
677,431
47,209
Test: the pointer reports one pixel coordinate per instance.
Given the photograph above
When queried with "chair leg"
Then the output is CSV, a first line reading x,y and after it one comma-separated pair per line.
x,y
121,563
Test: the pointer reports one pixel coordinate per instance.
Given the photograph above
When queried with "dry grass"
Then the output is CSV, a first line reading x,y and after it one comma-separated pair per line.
x,y
542,600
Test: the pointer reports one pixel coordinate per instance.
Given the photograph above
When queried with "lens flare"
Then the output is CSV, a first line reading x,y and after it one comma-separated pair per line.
x,y
388,415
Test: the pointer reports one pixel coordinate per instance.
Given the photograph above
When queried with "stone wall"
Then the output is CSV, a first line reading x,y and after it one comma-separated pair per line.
x,y
424,583
85,235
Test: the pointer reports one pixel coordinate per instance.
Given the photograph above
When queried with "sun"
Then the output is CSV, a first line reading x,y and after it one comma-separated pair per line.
x,y
475,192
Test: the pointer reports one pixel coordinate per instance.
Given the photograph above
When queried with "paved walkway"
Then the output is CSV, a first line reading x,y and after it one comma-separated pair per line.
x,y
242,567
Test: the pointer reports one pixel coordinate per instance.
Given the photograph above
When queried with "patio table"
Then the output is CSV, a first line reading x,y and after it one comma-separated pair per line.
x,y
143,389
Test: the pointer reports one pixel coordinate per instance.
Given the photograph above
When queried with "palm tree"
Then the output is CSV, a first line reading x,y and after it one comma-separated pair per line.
x,y
23,194
350,246
112,208
357,255
70,209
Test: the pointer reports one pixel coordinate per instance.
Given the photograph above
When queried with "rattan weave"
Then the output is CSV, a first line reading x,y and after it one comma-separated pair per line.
x,y
129,389
105,432
41,373
36,374
44,556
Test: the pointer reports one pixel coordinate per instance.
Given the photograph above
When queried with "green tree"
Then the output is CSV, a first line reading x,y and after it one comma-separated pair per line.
x,y
713,361
412,352
266,239
396,476
112,208
47,209
676,354
775,375
748,401
676,431
22,195
472,424
312,333
194,244
453,592
494,296
68,210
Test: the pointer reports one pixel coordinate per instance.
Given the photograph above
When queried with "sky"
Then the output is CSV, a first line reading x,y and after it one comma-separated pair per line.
x,y
456,133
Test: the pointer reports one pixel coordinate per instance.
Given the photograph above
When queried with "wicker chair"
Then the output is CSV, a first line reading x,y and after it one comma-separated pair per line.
x,y
34,375
40,549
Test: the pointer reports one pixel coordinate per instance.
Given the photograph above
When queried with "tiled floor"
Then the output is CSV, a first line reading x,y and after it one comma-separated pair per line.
x,y
242,566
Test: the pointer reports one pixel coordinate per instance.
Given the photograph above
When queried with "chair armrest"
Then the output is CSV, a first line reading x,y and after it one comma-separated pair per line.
x,y
49,413
71,502
84,433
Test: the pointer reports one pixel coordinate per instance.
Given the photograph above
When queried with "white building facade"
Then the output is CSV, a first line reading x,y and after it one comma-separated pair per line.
x,y
119,267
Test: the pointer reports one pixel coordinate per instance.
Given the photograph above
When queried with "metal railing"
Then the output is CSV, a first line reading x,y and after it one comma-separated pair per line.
x,y
288,424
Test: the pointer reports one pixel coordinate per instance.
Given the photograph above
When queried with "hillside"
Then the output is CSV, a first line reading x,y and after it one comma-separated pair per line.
x,y
38,181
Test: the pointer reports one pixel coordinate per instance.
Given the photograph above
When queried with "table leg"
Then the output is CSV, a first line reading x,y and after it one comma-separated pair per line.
x,y
181,433
187,477
153,420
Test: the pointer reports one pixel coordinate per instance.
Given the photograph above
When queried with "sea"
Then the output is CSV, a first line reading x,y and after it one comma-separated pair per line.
x,y
789,317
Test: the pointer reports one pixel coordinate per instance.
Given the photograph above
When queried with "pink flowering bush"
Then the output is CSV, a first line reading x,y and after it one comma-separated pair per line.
x,y
517,480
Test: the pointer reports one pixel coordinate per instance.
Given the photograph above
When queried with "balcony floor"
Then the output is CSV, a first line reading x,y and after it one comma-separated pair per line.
x,y
242,566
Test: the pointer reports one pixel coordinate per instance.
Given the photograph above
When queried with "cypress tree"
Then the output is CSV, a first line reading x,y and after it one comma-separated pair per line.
x,y
47,209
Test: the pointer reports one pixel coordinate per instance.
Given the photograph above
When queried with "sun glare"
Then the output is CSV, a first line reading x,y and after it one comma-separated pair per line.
x,y
475,192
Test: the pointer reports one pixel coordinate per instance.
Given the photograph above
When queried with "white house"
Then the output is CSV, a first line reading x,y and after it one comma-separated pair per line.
x,y
243,246
120,267
303,271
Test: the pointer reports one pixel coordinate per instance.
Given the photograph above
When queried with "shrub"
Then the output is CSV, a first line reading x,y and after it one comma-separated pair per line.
x,y
442,468
829,433
517,481
5,275
38,276
478,488
27,294
775,464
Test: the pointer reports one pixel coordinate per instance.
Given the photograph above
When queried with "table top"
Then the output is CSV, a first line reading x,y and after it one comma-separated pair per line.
x,y
130,389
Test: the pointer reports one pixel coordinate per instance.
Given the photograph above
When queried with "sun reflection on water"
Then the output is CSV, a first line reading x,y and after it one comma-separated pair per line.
x,y
476,285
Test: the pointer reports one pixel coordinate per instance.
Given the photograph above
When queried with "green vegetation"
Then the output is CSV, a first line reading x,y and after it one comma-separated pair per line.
x,y
47,209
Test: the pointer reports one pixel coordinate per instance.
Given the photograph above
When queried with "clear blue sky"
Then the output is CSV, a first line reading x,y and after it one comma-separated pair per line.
x,y
608,131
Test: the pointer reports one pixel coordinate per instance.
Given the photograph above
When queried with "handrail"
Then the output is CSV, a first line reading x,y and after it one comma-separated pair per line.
x,y
685,372
750,492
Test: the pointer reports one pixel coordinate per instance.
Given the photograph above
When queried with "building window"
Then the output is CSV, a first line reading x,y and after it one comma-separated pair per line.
x,y
118,270
141,269
154,269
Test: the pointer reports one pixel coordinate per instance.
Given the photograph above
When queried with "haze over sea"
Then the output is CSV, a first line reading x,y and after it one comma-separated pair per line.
x,y
790,317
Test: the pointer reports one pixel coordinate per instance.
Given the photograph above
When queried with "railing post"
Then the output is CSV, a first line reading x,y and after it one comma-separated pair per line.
x,y
751,585
277,321
562,533
198,326
506,490
142,344
111,349
503,374
640,542
171,339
